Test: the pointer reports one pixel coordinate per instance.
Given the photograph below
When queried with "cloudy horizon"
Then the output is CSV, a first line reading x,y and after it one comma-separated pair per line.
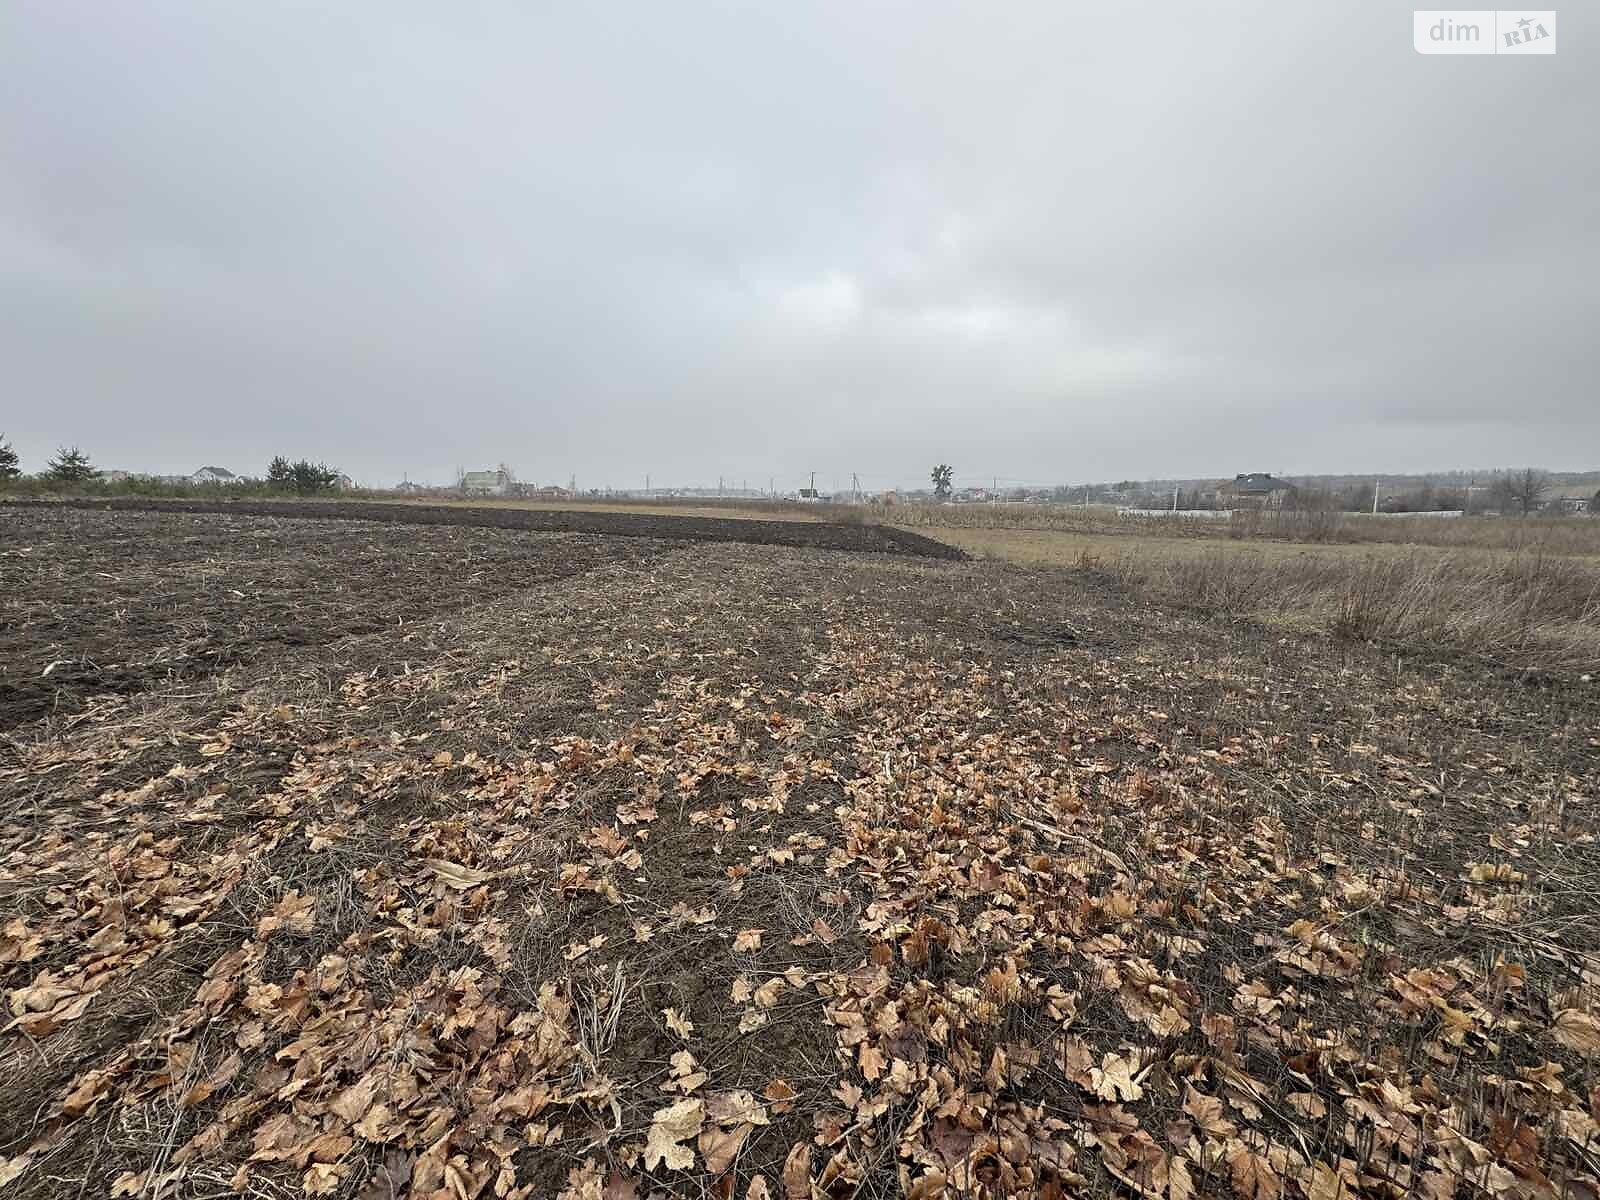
x,y
1044,243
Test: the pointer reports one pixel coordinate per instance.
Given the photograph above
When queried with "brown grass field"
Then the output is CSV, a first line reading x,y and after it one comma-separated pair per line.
x,y
360,859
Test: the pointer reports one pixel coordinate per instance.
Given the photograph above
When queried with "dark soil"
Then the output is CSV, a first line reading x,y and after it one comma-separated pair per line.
x,y
807,534
98,604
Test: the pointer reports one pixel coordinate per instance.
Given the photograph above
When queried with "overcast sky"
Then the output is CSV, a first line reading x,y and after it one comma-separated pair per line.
x,y
1041,241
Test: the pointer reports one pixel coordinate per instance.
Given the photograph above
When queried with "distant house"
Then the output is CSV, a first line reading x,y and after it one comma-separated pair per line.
x,y
213,475
406,488
1569,498
552,492
1254,488
486,483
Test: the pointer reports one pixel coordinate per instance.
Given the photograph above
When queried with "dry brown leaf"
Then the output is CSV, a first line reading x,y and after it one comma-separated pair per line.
x,y
781,1095
12,1168
578,949
719,1147
1180,1184
1322,1182
1113,1079
738,1107
457,875
322,1179
678,1023
748,940
669,1128
294,913
767,994
352,1103
1207,1113
1577,1030
872,1062
378,1125
797,1172
1308,1104
758,1189
1253,1176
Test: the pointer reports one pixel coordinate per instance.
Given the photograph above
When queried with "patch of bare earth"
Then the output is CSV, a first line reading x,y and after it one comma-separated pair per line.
x,y
755,872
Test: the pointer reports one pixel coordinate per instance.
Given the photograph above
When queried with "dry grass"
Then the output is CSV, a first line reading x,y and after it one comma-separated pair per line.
x,y
1528,610
1579,536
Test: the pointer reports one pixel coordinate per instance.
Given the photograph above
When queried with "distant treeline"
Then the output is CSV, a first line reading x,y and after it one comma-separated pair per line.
x,y
72,470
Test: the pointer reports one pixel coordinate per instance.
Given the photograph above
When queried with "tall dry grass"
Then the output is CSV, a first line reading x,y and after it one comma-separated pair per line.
x,y
1530,611
1574,535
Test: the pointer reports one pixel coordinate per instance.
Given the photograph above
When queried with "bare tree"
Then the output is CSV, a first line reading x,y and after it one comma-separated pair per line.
x,y
1527,489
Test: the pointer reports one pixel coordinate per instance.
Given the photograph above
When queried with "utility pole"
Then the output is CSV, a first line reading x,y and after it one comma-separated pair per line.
x,y
647,486
1376,483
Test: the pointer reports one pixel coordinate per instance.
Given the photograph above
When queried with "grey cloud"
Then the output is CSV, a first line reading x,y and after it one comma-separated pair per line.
x,y
1043,241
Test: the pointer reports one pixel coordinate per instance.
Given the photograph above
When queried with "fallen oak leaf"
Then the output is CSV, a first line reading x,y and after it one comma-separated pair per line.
x,y
747,941
678,1023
